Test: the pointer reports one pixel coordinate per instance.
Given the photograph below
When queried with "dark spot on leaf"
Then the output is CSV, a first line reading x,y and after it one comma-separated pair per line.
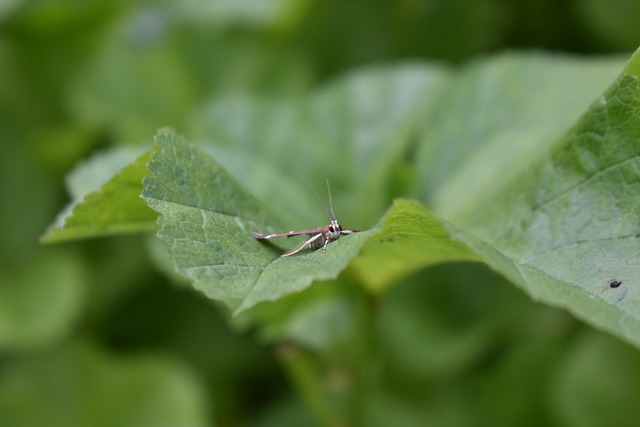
x,y
615,283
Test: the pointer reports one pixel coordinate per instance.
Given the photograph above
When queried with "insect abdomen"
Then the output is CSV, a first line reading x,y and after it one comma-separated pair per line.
x,y
318,243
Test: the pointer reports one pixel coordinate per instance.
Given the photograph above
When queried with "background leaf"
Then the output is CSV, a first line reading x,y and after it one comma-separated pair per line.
x,y
40,304
355,132
106,198
495,118
322,317
573,394
82,386
118,89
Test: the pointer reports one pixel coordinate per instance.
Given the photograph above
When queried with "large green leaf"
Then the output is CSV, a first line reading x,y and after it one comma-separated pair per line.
x,y
207,219
568,226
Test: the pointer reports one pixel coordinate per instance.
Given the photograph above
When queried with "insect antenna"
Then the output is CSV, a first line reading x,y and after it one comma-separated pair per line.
x,y
329,212
333,216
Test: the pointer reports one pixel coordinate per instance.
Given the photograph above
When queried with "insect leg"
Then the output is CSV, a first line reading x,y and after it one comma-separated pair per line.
x,y
346,231
304,245
326,243
270,236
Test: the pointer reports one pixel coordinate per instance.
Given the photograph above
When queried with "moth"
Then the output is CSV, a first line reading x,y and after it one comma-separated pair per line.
x,y
318,237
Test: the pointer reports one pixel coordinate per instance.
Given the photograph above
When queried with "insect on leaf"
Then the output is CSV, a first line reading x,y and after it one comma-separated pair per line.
x,y
206,218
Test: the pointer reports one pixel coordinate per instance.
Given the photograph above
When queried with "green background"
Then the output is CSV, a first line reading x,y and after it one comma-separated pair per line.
x,y
99,332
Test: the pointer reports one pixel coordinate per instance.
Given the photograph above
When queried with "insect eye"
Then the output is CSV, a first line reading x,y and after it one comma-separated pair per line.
x,y
332,229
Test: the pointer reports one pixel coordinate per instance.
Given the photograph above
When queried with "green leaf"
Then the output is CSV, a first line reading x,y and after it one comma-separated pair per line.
x,y
207,218
410,238
568,226
106,198
81,386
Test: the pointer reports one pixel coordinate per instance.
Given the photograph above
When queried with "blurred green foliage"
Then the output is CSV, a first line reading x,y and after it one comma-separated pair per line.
x,y
92,326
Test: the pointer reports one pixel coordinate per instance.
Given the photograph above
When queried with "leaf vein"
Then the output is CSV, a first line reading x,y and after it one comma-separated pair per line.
x,y
538,206
576,243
